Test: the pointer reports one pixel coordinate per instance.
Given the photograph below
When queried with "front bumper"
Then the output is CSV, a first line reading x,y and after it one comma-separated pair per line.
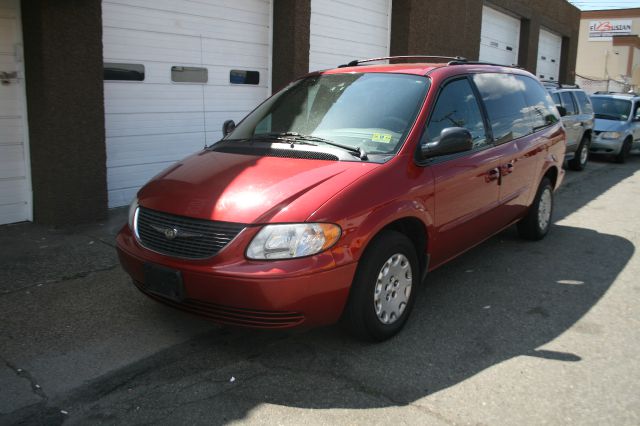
x,y
230,289
600,145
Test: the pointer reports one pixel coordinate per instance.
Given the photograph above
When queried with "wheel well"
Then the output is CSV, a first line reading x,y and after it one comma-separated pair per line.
x,y
552,175
415,230
587,133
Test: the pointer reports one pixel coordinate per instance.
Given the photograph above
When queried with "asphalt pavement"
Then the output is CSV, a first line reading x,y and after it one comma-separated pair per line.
x,y
511,332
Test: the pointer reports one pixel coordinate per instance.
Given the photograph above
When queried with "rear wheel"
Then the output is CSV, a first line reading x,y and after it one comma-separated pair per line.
x,y
383,290
624,151
579,162
535,225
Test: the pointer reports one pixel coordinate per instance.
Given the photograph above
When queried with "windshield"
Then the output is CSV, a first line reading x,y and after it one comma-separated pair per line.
x,y
611,109
372,112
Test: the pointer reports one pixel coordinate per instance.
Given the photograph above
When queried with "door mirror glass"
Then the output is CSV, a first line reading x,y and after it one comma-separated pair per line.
x,y
228,127
452,140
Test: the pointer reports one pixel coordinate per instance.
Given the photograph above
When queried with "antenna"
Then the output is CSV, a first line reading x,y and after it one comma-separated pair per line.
x,y
204,111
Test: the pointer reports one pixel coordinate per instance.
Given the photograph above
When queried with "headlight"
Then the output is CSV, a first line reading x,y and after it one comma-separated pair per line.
x,y
133,211
288,241
610,135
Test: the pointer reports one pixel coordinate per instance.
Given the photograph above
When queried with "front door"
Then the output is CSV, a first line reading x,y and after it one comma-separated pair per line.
x,y
466,184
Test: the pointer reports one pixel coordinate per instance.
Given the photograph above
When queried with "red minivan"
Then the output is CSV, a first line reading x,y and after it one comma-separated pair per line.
x,y
334,198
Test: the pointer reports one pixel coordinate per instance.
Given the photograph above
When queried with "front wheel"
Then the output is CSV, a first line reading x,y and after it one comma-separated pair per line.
x,y
579,162
383,290
624,151
535,225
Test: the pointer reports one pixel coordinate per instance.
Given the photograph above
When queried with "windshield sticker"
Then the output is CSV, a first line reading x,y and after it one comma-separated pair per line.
x,y
381,137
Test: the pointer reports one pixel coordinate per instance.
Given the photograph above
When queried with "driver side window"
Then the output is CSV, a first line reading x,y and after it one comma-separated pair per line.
x,y
456,106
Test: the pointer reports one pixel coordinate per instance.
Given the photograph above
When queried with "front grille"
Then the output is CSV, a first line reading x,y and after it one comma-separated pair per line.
x,y
230,315
194,239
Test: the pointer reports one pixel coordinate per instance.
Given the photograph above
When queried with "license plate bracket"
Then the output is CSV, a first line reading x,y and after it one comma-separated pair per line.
x,y
164,282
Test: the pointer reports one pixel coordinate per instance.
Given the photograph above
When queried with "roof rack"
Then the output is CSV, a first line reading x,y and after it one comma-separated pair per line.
x,y
453,60
357,62
606,92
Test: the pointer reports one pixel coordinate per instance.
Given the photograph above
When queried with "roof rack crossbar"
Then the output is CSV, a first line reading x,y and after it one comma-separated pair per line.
x,y
356,62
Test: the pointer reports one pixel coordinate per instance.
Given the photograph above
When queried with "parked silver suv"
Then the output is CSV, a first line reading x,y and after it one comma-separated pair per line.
x,y
617,125
577,116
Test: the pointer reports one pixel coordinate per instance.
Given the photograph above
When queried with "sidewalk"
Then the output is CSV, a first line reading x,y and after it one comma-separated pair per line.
x,y
69,314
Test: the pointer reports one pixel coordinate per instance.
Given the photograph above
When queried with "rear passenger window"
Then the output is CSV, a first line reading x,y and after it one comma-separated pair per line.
x,y
457,106
567,103
584,102
503,97
541,109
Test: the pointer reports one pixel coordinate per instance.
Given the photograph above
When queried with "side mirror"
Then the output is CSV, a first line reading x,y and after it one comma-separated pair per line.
x,y
562,110
228,127
451,141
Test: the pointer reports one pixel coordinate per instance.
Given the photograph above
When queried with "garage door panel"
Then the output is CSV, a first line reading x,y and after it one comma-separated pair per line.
x,y
131,98
138,124
10,131
147,149
357,11
342,31
12,161
338,47
13,191
355,31
10,100
239,9
150,20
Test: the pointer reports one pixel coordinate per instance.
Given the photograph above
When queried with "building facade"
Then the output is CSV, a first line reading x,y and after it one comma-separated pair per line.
x,y
609,47
99,96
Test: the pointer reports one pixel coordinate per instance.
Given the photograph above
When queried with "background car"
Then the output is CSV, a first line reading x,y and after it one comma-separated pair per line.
x,y
617,124
577,116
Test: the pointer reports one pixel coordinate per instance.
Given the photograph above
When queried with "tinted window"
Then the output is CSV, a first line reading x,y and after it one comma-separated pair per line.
x,y
244,77
583,101
567,103
503,97
541,109
189,74
611,109
556,99
456,106
123,72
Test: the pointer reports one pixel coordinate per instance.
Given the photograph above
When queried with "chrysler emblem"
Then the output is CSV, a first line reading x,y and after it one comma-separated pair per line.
x,y
173,233
170,233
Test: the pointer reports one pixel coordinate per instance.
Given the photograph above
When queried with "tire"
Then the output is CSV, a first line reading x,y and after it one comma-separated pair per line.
x,y
535,225
624,152
579,161
375,292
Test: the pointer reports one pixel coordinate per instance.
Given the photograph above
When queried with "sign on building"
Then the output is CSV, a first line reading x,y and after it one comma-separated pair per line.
x,y
604,30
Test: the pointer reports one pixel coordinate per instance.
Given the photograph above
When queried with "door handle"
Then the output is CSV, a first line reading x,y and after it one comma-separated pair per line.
x,y
506,169
493,174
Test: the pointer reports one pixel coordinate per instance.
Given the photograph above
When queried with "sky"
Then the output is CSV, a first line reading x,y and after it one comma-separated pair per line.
x,y
604,4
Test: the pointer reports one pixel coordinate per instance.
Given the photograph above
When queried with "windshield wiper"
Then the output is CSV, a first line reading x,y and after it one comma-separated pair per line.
x,y
358,151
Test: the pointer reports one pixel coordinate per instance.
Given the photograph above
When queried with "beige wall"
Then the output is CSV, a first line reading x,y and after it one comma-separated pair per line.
x,y
600,59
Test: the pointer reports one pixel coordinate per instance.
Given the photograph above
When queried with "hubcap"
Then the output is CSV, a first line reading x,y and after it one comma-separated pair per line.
x,y
393,288
583,154
544,209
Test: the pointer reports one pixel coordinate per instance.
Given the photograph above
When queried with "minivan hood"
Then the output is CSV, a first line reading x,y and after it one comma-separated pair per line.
x,y
603,125
248,189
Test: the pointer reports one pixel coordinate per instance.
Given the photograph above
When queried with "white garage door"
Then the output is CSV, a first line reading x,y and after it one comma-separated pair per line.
x,y
15,185
499,37
345,30
549,48
221,51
